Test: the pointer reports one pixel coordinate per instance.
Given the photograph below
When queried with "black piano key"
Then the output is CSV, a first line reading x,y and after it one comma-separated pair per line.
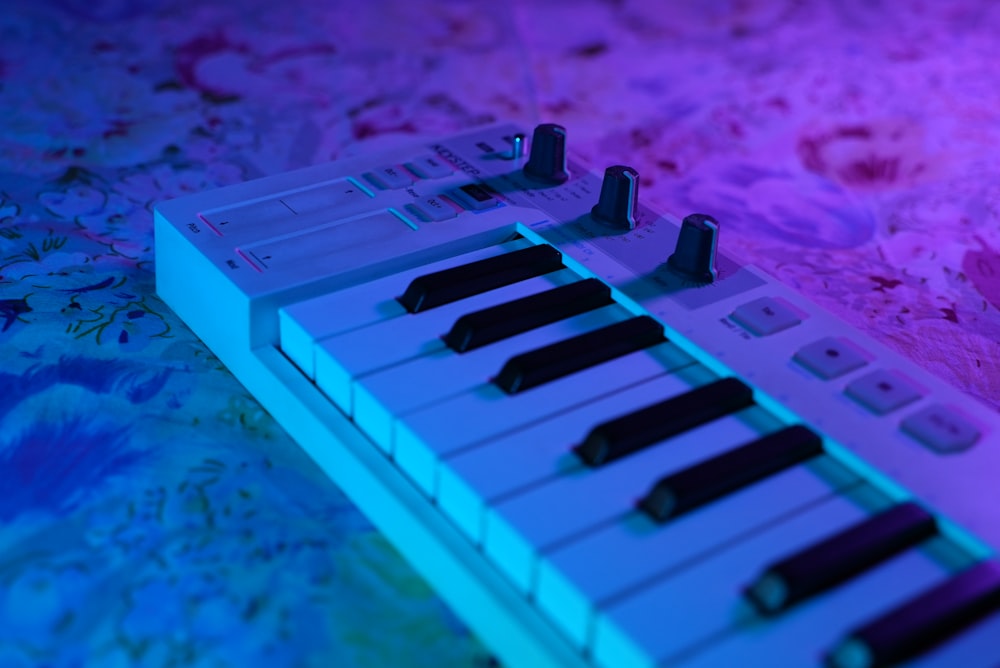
x,y
922,622
840,557
449,285
548,363
702,483
646,426
521,315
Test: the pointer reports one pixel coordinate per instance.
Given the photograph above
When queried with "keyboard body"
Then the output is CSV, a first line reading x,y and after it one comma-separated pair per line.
x,y
248,267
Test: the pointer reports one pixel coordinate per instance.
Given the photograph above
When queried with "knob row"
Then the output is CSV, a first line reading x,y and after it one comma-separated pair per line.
x,y
694,255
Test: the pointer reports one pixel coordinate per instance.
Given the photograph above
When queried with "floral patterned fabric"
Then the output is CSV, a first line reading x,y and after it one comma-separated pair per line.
x,y
152,514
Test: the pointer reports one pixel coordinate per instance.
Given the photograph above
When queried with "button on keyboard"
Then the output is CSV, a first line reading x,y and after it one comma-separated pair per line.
x,y
474,197
429,167
765,316
433,209
883,391
942,429
830,357
390,177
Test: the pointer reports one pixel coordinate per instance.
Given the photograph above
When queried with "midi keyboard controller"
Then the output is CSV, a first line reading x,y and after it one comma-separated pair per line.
x,y
602,439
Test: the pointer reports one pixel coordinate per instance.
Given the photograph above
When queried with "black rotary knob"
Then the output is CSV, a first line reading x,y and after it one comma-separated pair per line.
x,y
619,195
694,256
547,160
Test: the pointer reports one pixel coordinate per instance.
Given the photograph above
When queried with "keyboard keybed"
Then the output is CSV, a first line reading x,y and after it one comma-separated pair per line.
x,y
572,537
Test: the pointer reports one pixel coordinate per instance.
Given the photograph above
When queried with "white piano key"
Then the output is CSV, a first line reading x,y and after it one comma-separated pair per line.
x,y
473,478
421,438
303,323
342,359
804,634
520,527
382,396
576,578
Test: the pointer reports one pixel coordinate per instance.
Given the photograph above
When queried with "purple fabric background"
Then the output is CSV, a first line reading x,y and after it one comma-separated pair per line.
x,y
152,514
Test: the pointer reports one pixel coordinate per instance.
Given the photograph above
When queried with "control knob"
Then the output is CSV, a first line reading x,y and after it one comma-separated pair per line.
x,y
547,158
619,194
694,255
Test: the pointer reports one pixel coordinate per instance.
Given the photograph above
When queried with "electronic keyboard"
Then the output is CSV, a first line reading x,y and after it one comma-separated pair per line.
x,y
601,438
